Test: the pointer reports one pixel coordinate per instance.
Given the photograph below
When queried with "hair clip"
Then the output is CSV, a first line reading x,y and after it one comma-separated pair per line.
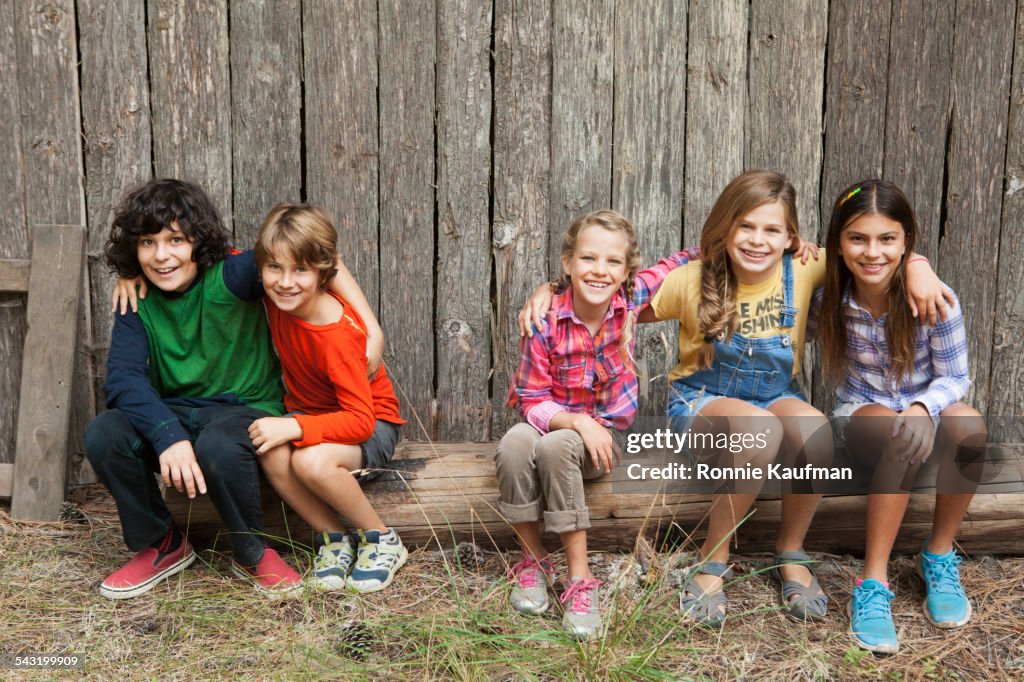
x,y
849,196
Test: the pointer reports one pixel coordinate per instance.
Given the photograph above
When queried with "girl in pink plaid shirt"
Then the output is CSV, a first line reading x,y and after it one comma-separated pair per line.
x,y
576,388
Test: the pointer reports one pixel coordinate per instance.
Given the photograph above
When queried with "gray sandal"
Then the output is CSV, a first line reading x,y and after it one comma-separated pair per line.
x,y
706,608
799,602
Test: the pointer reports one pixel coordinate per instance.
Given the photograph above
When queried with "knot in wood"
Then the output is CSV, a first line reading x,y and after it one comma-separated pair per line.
x,y
769,38
504,234
452,328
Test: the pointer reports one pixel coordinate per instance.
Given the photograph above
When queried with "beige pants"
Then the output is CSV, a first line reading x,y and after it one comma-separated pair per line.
x,y
545,473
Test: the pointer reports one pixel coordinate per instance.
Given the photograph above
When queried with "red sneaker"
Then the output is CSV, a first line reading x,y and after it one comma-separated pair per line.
x,y
271,577
144,570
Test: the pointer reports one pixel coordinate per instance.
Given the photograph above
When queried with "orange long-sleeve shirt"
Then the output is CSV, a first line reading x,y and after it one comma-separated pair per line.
x,y
324,369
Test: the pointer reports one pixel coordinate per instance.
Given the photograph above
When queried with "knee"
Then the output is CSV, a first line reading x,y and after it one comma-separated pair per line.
x,y
108,434
769,432
220,453
515,449
307,464
557,451
277,461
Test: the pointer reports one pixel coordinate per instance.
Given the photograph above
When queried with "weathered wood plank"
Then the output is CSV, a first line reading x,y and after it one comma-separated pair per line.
x,y
647,166
191,95
522,154
858,56
6,479
51,145
969,247
13,232
716,104
438,491
1007,397
582,56
855,100
340,66
463,240
118,151
44,410
407,34
14,275
917,112
786,75
266,67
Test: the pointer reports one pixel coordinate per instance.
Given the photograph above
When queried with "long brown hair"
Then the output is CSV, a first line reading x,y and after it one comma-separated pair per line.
x,y
717,314
871,197
613,221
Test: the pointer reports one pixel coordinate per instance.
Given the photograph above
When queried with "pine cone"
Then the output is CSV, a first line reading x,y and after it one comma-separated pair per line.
x,y
355,640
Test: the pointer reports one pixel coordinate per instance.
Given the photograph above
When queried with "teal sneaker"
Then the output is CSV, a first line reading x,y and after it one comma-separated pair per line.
x,y
946,604
871,618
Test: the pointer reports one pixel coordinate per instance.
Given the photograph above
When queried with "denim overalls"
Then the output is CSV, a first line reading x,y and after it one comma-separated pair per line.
x,y
758,371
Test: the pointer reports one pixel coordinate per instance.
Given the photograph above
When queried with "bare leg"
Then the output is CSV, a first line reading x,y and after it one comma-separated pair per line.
x,y
807,439
868,432
575,544
277,465
961,427
727,510
326,470
529,538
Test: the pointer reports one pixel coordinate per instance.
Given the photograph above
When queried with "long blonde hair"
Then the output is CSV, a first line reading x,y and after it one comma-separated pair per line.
x,y
717,315
613,221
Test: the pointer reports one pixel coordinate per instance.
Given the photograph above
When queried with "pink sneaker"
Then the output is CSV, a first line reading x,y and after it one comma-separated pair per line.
x,y
144,570
271,577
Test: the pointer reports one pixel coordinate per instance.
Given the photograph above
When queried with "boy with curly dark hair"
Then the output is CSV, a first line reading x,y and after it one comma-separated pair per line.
x,y
186,376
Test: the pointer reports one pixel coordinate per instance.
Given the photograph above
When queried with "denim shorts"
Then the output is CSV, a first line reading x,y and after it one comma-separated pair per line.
x,y
685,402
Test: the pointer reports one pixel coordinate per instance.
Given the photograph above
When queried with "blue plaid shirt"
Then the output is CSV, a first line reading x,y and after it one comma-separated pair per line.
x,y
939,377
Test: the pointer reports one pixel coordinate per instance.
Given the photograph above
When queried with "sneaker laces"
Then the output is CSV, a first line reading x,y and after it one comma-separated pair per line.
x,y
874,602
527,570
330,558
580,594
944,576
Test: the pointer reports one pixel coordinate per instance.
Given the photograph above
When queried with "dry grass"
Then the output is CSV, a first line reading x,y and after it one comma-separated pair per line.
x,y
446,617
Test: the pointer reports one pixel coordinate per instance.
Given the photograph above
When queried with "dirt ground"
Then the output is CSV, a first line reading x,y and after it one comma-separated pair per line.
x,y
446,617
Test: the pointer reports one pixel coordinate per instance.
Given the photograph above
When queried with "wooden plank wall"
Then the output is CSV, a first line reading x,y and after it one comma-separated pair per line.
x,y
454,141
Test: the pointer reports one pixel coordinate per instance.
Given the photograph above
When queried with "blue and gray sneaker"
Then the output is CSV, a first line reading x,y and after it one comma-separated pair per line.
x,y
871,618
333,560
946,604
380,555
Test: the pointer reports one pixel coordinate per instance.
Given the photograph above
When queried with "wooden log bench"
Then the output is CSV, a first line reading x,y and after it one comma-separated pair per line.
x,y
447,493
52,280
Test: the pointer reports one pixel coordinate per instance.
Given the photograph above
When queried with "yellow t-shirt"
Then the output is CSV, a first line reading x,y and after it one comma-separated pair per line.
x,y
758,307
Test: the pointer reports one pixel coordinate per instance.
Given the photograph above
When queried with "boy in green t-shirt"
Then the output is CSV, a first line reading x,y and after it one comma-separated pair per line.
x,y
186,376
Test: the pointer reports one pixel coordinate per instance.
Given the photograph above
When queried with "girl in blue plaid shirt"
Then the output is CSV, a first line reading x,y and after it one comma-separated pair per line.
x,y
900,388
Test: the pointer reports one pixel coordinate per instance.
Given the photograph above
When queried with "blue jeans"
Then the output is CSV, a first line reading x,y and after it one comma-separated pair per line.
x,y
126,463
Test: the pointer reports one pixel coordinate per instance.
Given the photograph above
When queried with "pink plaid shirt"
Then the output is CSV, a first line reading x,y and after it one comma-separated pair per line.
x,y
562,368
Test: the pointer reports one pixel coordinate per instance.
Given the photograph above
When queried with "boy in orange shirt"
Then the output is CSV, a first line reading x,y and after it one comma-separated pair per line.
x,y
339,422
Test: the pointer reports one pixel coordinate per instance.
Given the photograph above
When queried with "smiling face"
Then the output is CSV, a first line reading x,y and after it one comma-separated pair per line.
x,y
293,287
872,246
757,241
166,259
597,268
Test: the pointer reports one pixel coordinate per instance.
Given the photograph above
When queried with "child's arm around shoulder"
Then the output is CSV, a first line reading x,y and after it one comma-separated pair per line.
x,y
649,280
345,285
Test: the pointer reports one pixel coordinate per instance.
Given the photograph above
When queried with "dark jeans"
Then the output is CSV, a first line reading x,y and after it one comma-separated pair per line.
x,y
125,463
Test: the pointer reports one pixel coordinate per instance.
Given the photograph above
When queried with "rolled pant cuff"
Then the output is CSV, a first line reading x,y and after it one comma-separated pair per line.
x,y
520,513
565,521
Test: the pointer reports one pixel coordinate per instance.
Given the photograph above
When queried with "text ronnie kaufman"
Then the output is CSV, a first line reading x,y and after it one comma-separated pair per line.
x,y
706,472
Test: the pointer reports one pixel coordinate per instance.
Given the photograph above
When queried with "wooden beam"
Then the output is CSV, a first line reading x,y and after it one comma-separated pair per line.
x,y
44,410
6,479
14,275
447,493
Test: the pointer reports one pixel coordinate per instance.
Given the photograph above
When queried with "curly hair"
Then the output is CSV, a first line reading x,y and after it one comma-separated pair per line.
x,y
159,204
717,313
303,232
